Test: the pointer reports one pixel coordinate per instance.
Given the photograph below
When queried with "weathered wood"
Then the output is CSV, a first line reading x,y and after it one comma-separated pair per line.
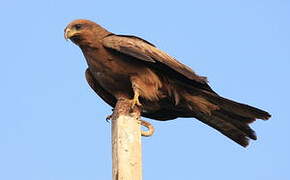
x,y
126,142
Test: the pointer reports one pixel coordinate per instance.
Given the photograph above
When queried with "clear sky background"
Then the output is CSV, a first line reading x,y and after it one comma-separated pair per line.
x,y
52,125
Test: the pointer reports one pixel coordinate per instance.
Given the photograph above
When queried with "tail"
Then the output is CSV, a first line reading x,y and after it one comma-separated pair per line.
x,y
229,117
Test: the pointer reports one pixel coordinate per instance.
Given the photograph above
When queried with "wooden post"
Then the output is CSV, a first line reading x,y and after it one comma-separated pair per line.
x,y
126,142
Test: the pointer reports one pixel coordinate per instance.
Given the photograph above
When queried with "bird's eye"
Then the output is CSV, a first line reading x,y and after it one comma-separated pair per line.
x,y
78,26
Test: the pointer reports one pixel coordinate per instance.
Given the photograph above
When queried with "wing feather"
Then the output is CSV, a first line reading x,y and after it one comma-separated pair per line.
x,y
144,51
105,95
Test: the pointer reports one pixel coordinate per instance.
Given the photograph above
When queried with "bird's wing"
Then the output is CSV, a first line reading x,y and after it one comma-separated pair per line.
x,y
161,114
105,95
147,52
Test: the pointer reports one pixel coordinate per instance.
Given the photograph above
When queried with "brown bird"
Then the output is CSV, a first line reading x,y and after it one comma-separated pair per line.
x,y
122,66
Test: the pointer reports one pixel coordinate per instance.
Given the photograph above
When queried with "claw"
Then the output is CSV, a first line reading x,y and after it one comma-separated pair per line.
x,y
109,118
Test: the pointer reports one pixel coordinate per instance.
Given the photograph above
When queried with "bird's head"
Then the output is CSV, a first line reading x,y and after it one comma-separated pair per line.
x,y
84,32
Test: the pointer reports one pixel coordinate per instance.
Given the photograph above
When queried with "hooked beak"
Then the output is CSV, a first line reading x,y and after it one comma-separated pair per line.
x,y
68,33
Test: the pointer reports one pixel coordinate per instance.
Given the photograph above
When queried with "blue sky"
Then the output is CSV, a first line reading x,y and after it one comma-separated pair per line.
x,y
52,125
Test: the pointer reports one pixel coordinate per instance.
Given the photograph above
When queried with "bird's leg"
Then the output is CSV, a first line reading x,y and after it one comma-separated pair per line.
x,y
136,99
136,96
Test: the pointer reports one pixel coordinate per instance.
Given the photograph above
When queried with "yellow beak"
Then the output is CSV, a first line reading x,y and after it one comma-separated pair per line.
x,y
68,33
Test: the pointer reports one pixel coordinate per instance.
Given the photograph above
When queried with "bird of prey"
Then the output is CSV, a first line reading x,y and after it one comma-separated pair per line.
x,y
124,66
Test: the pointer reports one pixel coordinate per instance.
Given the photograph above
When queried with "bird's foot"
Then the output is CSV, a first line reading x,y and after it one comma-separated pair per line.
x,y
109,118
135,102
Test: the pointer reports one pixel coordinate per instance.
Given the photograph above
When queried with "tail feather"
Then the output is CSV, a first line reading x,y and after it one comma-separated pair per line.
x,y
237,117
236,108
244,127
229,117
226,128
